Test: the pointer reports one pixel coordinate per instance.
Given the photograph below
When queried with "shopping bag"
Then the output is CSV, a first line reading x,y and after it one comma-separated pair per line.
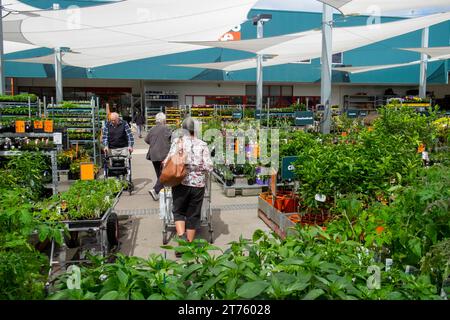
x,y
174,170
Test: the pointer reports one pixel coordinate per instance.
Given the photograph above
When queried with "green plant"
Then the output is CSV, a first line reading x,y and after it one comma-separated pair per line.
x,y
22,268
437,263
18,98
308,265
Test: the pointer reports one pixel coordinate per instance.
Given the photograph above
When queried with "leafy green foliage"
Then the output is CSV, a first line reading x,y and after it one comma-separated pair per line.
x,y
83,201
308,265
22,267
18,98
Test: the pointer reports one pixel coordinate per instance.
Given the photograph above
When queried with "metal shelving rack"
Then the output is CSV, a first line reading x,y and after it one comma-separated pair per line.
x,y
87,119
202,112
157,101
52,153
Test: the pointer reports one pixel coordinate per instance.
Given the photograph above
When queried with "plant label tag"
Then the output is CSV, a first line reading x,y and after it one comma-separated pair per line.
x,y
57,138
320,197
389,263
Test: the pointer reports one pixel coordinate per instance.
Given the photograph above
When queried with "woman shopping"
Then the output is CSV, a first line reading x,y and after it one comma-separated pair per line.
x,y
188,196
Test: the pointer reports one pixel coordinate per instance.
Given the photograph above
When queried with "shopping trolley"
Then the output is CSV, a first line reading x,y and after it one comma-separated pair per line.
x,y
120,167
167,214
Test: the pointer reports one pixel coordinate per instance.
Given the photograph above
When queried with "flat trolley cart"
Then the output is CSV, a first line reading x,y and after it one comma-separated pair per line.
x,y
167,214
105,229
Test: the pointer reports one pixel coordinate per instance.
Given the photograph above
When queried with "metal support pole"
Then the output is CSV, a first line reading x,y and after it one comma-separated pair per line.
x,y
424,64
259,69
2,69
45,106
58,76
94,132
327,56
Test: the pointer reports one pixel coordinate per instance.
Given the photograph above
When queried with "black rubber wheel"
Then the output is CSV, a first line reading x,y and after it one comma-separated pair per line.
x,y
72,241
165,238
112,230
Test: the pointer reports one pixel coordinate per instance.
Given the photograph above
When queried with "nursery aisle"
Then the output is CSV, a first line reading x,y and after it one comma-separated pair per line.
x,y
141,228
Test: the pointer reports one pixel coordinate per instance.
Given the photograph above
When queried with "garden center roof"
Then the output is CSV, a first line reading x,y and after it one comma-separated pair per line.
x,y
358,7
308,45
129,30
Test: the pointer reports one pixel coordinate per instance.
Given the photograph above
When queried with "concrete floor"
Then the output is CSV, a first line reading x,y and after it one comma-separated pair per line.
x,y
141,228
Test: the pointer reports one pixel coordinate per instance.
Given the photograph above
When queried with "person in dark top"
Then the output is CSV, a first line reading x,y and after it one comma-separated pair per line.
x,y
117,138
140,121
158,138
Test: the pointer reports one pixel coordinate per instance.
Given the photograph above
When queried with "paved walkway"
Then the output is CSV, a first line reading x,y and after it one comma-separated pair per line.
x,y
141,228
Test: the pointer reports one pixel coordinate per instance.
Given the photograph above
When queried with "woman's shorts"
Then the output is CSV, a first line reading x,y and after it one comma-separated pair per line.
x,y
187,205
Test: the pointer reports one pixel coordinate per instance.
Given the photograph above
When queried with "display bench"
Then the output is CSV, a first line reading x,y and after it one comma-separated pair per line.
x,y
276,220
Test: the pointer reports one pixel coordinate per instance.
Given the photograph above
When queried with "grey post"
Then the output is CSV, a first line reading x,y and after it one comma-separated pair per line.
x,y
58,75
327,56
259,21
424,64
2,69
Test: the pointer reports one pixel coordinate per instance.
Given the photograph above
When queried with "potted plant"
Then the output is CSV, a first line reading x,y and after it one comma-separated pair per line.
x,y
250,174
228,177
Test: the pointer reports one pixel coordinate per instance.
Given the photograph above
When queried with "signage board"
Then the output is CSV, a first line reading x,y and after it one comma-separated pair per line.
x,y
287,168
304,118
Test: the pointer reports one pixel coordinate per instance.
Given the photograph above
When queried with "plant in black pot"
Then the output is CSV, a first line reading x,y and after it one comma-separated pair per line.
x,y
250,174
228,177
239,169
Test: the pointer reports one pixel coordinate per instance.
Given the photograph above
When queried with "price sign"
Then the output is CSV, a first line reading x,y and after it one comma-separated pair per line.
x,y
87,171
20,126
288,168
57,138
38,124
48,126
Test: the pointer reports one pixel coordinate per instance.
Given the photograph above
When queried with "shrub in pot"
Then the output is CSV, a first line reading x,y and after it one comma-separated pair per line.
x,y
228,177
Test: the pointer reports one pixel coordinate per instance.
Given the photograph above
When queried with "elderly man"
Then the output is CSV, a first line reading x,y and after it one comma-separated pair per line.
x,y
158,138
117,137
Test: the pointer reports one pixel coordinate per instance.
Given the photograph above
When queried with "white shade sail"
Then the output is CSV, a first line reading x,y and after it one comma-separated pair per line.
x,y
361,7
15,10
130,30
48,59
361,69
308,45
432,52
11,47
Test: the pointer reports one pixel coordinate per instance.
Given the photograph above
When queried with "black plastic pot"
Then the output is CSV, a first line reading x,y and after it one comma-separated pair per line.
x,y
229,183
251,181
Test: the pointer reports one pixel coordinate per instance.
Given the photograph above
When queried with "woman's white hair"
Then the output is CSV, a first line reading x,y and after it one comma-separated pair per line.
x,y
160,117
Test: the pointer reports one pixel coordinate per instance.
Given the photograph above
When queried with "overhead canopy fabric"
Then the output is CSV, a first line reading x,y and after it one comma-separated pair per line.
x,y
15,10
308,45
48,59
432,52
361,7
130,30
11,47
361,69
